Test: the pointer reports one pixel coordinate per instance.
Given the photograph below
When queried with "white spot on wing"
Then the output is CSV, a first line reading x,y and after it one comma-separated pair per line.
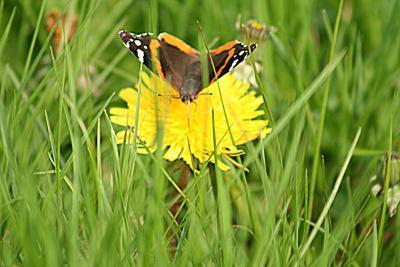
x,y
145,47
138,42
127,44
241,53
160,35
233,64
140,55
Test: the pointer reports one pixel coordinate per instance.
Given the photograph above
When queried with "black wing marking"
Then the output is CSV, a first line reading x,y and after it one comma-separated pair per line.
x,y
139,45
227,57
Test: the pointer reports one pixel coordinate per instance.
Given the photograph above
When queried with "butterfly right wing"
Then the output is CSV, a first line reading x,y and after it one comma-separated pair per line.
x,y
227,57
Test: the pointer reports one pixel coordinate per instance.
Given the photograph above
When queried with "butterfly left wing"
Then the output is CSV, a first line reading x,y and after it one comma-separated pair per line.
x,y
227,57
169,55
140,46
146,47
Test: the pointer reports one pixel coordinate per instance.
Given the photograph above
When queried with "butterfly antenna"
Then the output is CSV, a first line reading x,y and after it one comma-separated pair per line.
x,y
173,96
209,93
188,114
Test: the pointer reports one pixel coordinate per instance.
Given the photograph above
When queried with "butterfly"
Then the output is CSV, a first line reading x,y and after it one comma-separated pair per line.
x,y
179,64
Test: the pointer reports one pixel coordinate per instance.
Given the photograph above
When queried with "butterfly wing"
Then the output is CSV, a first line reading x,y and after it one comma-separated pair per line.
x,y
141,45
227,57
177,59
167,56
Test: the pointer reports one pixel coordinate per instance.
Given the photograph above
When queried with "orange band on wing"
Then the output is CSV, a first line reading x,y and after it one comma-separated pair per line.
x,y
176,42
223,48
219,70
154,44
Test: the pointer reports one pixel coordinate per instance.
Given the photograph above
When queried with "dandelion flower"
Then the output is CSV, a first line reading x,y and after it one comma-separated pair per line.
x,y
188,128
258,33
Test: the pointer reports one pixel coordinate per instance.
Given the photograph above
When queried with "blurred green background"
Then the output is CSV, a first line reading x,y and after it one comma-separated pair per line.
x,y
70,196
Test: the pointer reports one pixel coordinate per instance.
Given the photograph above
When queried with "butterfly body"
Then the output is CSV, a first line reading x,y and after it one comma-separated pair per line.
x,y
179,64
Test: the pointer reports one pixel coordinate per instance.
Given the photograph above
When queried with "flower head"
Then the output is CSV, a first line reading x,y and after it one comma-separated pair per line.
x,y
188,129
254,32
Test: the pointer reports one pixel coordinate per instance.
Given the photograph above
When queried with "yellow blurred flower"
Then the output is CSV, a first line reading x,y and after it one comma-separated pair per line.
x,y
188,128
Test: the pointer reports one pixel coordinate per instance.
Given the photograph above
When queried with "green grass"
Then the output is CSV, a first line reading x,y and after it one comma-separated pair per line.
x,y
69,195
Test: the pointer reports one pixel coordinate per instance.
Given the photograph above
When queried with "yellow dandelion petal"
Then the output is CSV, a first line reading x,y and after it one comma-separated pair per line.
x,y
129,96
188,128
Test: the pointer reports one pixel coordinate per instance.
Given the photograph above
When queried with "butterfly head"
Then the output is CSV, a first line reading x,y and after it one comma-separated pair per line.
x,y
190,89
187,99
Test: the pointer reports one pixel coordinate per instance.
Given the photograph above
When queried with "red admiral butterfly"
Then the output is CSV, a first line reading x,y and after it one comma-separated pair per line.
x,y
179,64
